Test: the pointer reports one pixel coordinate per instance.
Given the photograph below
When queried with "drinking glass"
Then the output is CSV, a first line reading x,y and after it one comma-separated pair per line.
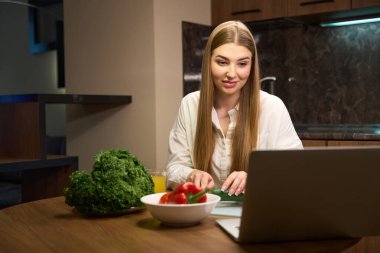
x,y
159,180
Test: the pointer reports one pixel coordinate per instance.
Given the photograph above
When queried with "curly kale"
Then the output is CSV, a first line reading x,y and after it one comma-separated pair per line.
x,y
117,182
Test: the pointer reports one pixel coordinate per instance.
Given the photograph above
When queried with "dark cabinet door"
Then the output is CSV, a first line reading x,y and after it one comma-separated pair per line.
x,y
247,10
307,7
364,3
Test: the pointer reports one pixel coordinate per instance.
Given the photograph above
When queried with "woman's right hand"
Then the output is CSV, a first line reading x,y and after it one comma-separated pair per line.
x,y
201,179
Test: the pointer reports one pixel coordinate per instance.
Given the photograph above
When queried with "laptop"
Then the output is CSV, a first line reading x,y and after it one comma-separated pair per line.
x,y
310,194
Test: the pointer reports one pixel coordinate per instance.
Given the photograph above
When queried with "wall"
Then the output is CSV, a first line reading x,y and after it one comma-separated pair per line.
x,y
131,48
168,17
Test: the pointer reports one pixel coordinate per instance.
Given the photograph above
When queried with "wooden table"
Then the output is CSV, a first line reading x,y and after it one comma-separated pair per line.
x,y
49,225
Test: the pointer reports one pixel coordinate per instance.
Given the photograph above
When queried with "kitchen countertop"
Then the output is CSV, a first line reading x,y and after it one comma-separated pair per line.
x,y
338,131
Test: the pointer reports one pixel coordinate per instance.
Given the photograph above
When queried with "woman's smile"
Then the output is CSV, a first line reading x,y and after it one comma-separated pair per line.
x,y
230,84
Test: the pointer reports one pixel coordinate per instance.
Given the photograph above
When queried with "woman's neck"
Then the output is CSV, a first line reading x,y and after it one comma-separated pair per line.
x,y
223,104
226,102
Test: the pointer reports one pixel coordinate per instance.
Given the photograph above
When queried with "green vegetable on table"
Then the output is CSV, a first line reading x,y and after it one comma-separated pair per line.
x,y
225,197
116,184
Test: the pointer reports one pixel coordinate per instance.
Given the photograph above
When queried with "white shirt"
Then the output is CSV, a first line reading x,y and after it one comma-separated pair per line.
x,y
276,131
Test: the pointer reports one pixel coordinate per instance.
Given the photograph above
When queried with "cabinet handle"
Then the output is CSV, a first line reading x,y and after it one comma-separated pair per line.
x,y
316,2
246,11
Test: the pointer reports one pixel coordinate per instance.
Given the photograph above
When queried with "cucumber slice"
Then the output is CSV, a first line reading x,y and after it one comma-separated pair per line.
x,y
225,197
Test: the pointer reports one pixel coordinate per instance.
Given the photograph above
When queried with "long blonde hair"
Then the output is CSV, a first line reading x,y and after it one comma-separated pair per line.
x,y
246,131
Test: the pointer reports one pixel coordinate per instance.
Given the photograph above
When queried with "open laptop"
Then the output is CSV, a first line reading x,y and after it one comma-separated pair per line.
x,y
310,194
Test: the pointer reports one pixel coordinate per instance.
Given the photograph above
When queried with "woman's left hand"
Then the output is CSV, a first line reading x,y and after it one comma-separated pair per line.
x,y
235,183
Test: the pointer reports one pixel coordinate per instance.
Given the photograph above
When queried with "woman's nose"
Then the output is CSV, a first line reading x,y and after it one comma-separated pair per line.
x,y
231,73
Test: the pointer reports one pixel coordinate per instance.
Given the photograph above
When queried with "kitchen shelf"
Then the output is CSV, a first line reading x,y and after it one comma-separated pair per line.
x,y
23,140
23,120
66,99
21,164
38,179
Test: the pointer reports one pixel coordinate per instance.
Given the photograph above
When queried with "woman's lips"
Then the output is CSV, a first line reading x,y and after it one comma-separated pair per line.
x,y
230,84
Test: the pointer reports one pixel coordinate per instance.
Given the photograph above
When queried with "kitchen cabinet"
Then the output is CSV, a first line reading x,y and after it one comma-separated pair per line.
x,y
314,143
36,178
365,3
307,7
338,143
245,10
309,11
334,143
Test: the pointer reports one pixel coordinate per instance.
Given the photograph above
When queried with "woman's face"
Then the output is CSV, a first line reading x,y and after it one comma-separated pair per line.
x,y
230,68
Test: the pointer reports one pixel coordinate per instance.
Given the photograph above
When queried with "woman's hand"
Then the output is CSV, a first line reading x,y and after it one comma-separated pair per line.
x,y
235,183
201,179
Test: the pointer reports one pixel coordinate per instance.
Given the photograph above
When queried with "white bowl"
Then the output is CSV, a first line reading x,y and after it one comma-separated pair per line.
x,y
179,214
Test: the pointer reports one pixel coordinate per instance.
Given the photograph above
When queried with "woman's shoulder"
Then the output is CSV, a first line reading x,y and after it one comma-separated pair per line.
x,y
269,100
192,95
189,107
191,98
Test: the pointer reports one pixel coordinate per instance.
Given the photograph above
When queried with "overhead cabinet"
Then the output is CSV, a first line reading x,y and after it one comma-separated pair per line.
x,y
245,10
306,7
306,10
365,3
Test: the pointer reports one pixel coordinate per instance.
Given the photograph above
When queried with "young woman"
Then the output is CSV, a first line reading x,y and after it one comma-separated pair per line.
x,y
219,125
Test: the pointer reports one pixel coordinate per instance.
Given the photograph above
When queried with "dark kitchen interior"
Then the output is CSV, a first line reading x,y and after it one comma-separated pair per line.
x,y
323,75
69,70
327,77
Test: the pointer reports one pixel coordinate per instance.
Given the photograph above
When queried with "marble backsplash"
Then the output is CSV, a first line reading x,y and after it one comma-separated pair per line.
x,y
324,75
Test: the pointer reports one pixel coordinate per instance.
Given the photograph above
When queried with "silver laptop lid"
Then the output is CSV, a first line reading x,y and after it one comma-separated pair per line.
x,y
314,193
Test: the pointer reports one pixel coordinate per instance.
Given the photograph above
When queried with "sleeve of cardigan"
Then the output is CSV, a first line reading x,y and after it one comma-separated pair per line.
x,y
180,163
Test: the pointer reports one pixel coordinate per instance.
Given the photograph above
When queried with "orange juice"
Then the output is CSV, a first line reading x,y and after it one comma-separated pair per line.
x,y
159,181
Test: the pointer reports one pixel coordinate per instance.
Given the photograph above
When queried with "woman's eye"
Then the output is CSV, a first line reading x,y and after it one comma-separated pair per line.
x,y
243,64
221,63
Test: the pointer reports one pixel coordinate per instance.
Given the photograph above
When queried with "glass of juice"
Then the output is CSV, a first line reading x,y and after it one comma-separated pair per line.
x,y
159,180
